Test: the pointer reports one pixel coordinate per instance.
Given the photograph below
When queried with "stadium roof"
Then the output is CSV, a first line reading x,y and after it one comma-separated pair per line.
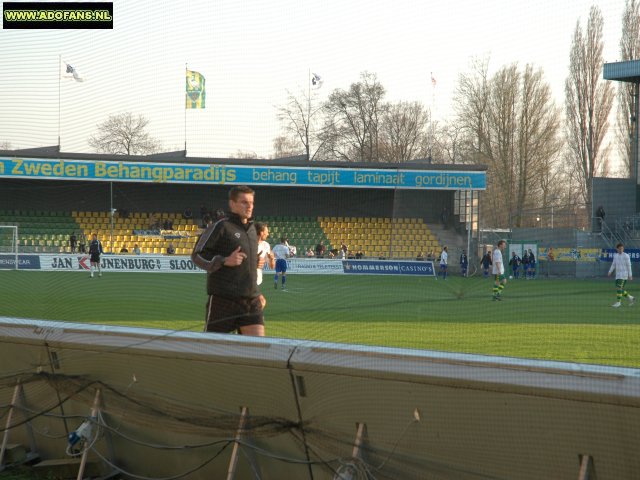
x,y
622,71
53,152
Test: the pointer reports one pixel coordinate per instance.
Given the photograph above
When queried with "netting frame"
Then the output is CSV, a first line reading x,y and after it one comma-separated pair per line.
x,y
15,243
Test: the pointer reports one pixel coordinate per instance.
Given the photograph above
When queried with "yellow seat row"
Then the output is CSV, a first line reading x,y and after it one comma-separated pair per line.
x,y
370,219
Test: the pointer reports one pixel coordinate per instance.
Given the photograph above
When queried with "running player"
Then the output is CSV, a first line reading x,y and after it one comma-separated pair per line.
x,y
264,250
622,265
444,262
498,270
281,252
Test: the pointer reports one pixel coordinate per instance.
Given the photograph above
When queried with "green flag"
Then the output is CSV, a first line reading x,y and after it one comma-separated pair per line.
x,y
195,90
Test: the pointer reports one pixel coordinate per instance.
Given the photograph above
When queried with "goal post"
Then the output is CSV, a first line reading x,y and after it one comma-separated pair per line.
x,y
9,243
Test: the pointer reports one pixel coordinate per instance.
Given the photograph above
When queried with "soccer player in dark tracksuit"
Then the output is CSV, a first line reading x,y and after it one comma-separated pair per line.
x,y
514,263
95,250
464,263
525,264
228,251
486,263
531,273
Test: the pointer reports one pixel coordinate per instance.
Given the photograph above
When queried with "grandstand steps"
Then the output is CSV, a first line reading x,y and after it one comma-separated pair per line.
x,y
454,241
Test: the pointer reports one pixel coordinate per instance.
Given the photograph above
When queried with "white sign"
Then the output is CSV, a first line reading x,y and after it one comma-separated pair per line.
x,y
171,264
121,263
312,265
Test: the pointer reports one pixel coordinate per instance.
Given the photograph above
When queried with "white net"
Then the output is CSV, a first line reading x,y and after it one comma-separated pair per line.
x,y
9,245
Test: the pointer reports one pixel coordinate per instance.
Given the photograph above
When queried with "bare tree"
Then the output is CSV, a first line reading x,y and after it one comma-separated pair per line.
x,y
124,134
245,155
499,143
512,125
403,132
588,103
451,144
629,50
5,145
353,119
285,146
471,102
538,140
299,119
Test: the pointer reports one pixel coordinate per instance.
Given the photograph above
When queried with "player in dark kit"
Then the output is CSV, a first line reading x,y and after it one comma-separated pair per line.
x,y
531,272
486,263
464,263
228,251
525,264
95,250
515,265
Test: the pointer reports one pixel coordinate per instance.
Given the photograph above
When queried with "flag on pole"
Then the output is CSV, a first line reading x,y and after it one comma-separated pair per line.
x,y
316,80
195,90
70,72
433,80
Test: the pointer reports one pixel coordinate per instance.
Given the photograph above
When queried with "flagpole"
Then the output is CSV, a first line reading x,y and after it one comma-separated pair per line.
x,y
59,90
185,110
308,117
433,109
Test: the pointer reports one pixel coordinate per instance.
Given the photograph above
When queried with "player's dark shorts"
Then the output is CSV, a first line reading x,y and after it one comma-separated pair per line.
x,y
499,278
443,266
281,265
620,283
225,314
94,258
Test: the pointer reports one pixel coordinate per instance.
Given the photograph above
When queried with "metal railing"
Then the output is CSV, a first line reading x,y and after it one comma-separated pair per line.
x,y
611,236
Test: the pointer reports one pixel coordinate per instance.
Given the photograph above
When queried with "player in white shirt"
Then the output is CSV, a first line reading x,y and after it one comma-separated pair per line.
x,y
499,279
622,265
264,250
444,262
281,252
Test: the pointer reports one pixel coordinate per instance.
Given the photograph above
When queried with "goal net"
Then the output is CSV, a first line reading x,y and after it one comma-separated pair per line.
x,y
9,245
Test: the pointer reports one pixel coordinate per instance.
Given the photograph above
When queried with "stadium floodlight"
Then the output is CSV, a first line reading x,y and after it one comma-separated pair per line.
x,y
9,242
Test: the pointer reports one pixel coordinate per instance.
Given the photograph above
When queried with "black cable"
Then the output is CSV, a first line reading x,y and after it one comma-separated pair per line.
x,y
46,410
298,408
174,477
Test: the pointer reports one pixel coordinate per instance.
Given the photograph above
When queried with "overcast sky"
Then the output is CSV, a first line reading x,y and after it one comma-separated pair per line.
x,y
252,52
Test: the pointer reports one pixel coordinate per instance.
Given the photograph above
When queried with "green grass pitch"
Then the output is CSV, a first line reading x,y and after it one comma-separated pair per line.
x,y
569,320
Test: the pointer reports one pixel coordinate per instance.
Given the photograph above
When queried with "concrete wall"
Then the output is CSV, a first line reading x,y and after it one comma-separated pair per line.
x,y
616,195
413,414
